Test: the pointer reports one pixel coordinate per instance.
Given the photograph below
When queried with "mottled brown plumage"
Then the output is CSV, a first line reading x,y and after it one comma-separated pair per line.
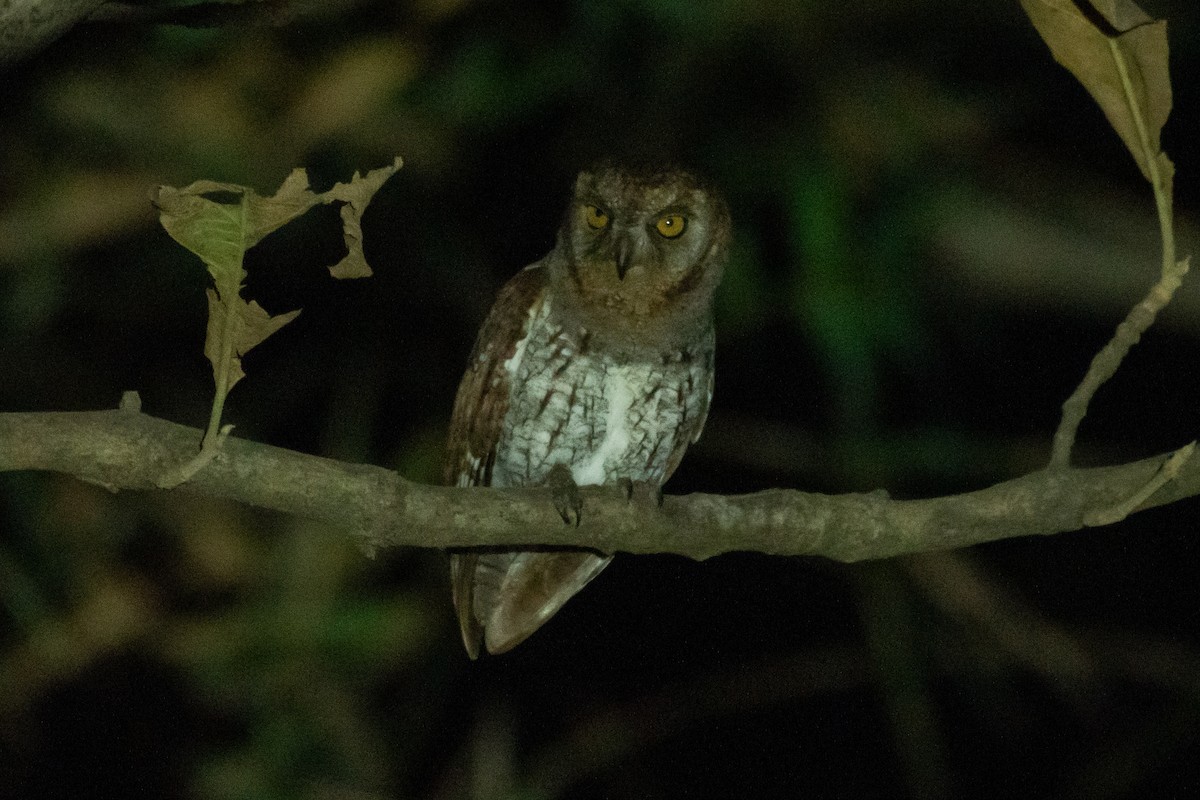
x,y
599,359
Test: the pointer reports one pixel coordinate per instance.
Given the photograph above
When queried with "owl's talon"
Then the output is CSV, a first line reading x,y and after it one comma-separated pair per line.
x,y
565,492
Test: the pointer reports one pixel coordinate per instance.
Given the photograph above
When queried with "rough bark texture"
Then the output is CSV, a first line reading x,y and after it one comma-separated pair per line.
x,y
129,450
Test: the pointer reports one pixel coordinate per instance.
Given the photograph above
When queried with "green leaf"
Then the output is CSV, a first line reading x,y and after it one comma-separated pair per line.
x,y
213,231
1119,54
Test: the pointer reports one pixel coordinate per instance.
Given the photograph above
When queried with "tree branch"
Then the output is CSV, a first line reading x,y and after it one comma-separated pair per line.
x,y
125,449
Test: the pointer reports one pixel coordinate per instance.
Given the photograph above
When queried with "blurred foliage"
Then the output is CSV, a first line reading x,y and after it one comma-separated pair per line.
x,y
935,231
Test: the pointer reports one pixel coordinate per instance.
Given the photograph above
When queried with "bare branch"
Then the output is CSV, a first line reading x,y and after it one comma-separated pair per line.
x,y
1105,363
27,26
125,449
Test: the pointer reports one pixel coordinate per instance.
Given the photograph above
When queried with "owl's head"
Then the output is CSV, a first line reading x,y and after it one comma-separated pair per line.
x,y
642,243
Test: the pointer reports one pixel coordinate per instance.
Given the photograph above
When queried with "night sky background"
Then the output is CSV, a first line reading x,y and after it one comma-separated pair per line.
x,y
935,231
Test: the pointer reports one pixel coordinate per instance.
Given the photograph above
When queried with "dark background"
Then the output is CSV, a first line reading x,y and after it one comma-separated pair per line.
x,y
935,231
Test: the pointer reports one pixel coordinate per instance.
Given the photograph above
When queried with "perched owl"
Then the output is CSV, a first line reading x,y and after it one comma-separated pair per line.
x,y
597,359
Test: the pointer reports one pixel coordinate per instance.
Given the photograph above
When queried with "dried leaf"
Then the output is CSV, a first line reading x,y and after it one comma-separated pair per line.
x,y
268,214
1121,14
220,231
356,195
249,325
1097,47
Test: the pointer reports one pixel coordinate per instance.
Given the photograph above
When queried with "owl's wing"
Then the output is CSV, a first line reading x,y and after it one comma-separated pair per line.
x,y
482,398
694,426
702,417
475,427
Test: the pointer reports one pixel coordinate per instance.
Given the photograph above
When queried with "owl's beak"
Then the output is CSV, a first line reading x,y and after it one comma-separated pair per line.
x,y
625,252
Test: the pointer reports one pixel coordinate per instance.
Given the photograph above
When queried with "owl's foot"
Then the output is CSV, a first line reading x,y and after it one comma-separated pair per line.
x,y
565,492
642,491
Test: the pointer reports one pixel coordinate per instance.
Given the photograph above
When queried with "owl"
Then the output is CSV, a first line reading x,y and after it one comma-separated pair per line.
x,y
597,362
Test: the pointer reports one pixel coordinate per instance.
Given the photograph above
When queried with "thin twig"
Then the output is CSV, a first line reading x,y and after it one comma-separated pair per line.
x,y
1142,316
1169,471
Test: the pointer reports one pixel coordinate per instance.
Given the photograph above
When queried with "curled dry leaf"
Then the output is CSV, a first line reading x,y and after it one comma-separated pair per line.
x,y
355,196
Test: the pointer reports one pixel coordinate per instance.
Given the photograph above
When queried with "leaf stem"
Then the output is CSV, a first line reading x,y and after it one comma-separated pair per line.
x,y
227,290
1105,364
1162,192
221,374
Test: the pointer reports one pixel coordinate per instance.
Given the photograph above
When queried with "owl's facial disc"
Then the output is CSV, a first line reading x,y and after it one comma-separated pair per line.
x,y
626,237
638,244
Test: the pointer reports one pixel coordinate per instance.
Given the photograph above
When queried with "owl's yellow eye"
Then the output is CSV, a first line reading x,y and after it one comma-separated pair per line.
x,y
670,225
595,218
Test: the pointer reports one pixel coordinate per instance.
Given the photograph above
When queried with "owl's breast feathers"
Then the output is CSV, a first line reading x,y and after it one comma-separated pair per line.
x,y
538,393
541,391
